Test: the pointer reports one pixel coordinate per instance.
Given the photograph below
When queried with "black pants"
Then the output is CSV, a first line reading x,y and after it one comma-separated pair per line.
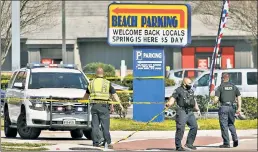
x,y
100,115
183,117
227,120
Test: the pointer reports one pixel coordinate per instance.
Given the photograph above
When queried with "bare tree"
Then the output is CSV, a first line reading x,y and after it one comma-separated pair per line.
x,y
35,16
242,15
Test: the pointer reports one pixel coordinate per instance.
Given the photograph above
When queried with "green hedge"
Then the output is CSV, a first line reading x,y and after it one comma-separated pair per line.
x,y
109,70
125,101
249,106
4,81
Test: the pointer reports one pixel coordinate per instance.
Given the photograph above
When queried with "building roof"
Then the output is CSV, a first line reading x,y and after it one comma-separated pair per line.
x,y
88,19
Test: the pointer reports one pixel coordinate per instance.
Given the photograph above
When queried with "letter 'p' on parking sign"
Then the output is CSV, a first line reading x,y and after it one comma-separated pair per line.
x,y
138,55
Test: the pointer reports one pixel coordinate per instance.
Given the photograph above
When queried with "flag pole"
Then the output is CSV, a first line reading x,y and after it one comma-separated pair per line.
x,y
214,59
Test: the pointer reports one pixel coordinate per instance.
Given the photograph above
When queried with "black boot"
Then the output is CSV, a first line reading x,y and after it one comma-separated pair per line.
x,y
235,144
180,149
224,146
190,147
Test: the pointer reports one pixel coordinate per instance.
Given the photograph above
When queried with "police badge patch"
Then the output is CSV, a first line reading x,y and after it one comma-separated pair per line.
x,y
228,88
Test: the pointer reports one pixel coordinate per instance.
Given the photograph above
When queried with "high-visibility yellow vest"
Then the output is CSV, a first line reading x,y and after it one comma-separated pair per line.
x,y
99,89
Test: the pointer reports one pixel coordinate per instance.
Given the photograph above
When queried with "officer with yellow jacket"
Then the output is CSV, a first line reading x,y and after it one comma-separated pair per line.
x,y
99,91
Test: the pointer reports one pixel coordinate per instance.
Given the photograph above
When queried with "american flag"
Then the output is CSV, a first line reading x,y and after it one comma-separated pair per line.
x,y
222,24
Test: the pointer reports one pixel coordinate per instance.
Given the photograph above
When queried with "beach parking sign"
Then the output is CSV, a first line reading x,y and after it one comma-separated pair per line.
x,y
149,24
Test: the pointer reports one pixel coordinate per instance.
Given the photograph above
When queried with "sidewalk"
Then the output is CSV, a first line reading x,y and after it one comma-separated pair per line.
x,y
207,140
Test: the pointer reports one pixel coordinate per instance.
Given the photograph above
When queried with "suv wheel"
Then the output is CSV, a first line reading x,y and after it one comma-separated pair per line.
x,y
24,131
87,133
76,133
9,132
170,113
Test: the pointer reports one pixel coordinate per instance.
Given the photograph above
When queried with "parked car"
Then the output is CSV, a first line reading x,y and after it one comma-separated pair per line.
x,y
2,102
179,74
244,79
53,82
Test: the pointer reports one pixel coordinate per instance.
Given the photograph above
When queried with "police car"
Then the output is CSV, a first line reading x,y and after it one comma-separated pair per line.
x,y
28,108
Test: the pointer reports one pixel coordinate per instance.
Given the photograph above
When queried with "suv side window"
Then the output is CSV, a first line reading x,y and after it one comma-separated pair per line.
x,y
21,77
178,74
252,78
11,80
235,77
204,80
191,72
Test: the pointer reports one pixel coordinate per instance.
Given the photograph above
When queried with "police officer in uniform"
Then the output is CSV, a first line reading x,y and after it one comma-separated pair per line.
x,y
99,91
186,104
227,93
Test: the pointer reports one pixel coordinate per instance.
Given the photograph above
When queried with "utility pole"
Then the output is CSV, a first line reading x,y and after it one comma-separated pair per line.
x,y
16,48
0,62
64,54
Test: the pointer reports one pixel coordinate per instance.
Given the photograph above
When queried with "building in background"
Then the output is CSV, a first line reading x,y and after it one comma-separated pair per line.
x,y
86,34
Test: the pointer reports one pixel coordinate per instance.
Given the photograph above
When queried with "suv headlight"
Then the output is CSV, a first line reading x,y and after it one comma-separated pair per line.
x,y
36,104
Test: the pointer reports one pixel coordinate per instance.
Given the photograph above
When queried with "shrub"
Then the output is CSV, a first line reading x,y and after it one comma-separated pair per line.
x,y
4,81
202,102
128,82
249,107
125,99
108,69
6,77
169,82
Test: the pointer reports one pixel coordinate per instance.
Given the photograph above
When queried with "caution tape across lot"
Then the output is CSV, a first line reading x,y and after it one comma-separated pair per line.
x,y
131,78
112,78
16,100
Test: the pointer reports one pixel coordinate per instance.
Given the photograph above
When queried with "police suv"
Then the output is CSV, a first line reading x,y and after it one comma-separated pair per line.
x,y
45,97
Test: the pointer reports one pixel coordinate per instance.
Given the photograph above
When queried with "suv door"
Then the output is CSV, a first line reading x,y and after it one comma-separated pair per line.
x,y
202,84
9,94
18,94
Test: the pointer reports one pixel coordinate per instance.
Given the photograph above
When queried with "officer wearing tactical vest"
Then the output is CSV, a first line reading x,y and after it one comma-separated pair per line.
x,y
186,104
99,91
226,93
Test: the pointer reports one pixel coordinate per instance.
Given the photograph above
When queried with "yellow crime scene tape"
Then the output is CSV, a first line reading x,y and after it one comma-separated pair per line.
x,y
78,101
138,130
131,78
105,102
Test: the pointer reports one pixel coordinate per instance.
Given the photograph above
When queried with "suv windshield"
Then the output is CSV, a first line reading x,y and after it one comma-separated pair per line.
x,y
57,80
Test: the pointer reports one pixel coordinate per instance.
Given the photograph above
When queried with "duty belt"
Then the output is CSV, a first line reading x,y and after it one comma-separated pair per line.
x,y
186,109
99,101
229,103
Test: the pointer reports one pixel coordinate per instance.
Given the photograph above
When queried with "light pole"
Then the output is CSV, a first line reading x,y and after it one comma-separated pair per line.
x,y
16,52
64,55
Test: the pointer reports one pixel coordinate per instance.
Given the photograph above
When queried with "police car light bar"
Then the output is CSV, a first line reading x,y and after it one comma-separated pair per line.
x,y
70,66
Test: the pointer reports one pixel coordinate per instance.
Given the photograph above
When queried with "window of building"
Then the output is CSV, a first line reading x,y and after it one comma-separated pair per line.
x,y
178,74
235,78
252,78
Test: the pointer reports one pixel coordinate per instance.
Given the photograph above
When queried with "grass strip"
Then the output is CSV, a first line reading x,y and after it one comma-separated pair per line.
x,y
169,125
119,124
9,146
